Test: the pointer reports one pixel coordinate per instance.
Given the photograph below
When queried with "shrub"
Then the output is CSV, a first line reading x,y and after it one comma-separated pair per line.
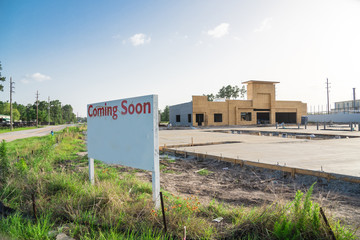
x,y
4,163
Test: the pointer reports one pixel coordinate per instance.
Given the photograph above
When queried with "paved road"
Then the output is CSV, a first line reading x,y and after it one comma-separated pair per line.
x,y
38,132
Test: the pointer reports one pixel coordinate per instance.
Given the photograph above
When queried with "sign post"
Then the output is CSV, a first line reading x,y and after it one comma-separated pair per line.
x,y
126,132
91,171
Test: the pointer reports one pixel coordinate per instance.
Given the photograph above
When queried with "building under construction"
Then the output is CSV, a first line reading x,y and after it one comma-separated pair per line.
x,y
261,107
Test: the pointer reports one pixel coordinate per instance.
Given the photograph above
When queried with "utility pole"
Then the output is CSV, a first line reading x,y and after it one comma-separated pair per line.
x,y
49,110
327,91
37,108
11,92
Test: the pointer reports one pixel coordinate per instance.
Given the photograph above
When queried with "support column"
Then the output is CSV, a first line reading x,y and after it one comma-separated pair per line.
x,y
91,171
156,188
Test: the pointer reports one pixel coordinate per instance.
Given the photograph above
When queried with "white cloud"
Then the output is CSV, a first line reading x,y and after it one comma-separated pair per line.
x,y
265,25
38,77
219,31
139,39
25,81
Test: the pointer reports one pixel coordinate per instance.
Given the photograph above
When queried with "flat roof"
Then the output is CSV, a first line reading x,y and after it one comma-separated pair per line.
x,y
356,100
259,81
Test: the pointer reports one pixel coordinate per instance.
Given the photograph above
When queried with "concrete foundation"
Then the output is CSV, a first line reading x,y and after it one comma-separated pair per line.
x,y
338,156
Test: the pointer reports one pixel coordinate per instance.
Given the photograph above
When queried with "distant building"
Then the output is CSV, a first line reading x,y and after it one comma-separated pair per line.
x,y
347,106
260,108
4,119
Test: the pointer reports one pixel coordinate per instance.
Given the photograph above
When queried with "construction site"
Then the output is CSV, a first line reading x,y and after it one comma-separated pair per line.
x,y
252,165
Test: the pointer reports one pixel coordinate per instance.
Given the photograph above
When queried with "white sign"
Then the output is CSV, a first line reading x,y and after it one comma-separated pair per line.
x,y
125,132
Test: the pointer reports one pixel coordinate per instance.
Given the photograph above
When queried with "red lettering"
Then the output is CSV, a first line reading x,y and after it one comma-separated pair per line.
x,y
89,112
131,108
100,111
149,107
124,107
138,108
115,109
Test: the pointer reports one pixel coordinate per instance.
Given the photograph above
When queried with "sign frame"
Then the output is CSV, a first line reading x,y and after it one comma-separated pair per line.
x,y
118,129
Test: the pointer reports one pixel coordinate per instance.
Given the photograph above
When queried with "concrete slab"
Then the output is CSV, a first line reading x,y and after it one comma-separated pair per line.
x,y
341,156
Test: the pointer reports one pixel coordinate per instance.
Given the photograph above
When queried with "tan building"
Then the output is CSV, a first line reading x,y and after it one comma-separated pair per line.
x,y
261,107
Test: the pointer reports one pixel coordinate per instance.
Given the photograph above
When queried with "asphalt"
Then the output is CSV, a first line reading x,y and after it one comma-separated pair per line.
x,y
341,156
37,132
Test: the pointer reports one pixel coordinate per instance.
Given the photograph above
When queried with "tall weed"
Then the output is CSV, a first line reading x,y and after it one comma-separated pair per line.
x,y
4,163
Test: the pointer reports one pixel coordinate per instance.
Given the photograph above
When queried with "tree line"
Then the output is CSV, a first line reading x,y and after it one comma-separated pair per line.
x,y
58,114
228,92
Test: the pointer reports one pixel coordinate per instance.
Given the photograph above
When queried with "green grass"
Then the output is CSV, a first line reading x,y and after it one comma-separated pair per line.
x,y
119,206
204,172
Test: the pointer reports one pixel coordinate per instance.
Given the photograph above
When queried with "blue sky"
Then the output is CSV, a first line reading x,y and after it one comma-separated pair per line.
x,y
89,51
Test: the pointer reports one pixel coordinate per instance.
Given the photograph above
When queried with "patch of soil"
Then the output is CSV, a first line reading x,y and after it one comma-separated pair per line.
x,y
251,186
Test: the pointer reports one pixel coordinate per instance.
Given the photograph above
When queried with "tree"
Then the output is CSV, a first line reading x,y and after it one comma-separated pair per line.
x,y
2,107
30,113
165,114
22,110
242,91
6,111
210,97
15,114
67,113
2,79
56,112
228,92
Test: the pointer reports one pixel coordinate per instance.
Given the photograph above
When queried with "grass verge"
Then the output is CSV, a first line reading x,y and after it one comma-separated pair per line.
x,y
5,130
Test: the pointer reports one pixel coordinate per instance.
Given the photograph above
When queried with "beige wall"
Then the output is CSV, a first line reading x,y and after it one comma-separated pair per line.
x,y
260,96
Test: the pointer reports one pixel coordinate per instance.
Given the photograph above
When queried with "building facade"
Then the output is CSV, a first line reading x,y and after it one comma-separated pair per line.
x,y
347,106
260,108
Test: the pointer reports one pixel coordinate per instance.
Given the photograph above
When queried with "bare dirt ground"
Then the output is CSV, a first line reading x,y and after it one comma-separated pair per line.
x,y
250,186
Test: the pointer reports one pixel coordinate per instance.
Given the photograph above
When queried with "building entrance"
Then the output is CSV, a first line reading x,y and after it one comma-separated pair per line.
x,y
199,119
263,117
286,117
